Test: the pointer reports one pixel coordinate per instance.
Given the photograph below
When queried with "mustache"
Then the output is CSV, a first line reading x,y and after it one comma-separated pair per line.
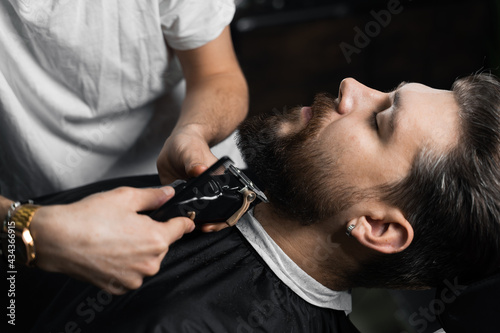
x,y
323,105
263,126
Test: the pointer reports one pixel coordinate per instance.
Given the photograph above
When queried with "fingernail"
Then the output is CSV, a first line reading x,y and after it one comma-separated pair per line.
x,y
168,190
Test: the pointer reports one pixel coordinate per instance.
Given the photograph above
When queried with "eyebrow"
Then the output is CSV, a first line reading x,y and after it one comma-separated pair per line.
x,y
396,105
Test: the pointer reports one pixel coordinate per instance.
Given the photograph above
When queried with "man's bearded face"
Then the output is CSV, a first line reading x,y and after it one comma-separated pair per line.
x,y
300,179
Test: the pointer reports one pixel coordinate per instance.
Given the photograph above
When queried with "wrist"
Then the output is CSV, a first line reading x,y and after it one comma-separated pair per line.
x,y
52,239
192,128
201,131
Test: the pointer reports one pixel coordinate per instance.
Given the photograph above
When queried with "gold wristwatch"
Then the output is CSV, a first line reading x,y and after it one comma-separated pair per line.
x,y
17,241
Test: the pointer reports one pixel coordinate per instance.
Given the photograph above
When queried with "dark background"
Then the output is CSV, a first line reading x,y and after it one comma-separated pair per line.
x,y
290,49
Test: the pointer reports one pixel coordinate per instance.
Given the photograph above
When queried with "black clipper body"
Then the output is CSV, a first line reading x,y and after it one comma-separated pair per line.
x,y
223,193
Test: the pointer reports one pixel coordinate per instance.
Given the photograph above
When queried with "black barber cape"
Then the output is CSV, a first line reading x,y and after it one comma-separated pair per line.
x,y
213,282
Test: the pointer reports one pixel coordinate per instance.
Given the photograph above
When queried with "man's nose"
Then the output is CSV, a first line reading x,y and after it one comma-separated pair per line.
x,y
354,95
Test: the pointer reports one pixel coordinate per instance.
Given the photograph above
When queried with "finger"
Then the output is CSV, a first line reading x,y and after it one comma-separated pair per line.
x,y
148,198
114,289
175,228
197,166
212,227
196,170
109,283
167,171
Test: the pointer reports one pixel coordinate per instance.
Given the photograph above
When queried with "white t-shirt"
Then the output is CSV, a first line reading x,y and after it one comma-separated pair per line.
x,y
80,82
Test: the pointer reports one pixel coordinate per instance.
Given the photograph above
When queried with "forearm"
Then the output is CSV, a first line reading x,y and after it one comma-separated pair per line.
x,y
215,105
85,239
216,102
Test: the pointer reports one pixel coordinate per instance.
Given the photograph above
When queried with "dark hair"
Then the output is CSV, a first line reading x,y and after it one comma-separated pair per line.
x,y
452,201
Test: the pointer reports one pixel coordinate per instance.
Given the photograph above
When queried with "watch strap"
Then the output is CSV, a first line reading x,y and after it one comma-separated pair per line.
x,y
18,222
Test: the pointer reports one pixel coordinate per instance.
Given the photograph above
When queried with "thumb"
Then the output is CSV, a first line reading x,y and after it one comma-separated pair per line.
x,y
199,162
150,198
196,169
175,228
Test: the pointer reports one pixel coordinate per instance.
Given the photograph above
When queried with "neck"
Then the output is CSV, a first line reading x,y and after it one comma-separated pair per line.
x,y
318,249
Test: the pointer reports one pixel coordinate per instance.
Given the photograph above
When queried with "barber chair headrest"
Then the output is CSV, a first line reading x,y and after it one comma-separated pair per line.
x,y
472,308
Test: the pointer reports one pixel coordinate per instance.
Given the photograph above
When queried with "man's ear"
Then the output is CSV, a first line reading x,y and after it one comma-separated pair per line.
x,y
382,228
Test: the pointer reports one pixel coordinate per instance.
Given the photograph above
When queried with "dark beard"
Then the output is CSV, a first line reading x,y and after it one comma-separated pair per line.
x,y
299,179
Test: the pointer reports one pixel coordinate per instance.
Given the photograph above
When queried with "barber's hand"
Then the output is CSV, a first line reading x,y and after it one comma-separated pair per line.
x,y
185,154
103,240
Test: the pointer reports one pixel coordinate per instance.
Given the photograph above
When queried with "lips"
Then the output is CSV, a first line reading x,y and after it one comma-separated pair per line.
x,y
307,113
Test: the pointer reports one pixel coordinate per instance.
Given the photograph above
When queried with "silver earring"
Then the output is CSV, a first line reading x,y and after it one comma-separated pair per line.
x,y
349,229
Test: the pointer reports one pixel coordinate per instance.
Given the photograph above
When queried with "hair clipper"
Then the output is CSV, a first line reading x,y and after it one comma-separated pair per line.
x,y
223,193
